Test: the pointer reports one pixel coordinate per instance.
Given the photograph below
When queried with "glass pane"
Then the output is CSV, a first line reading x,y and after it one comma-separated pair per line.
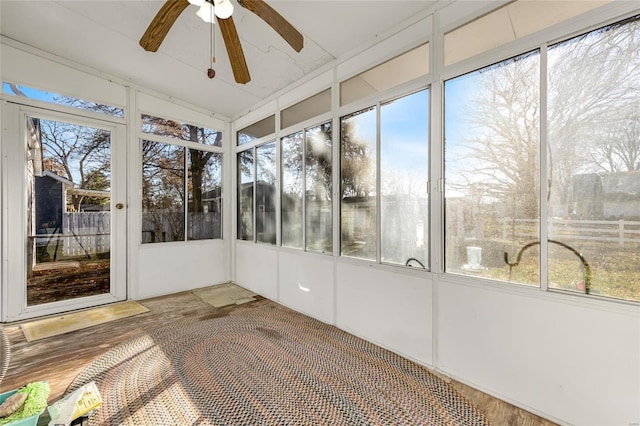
x,y
292,190
266,193
69,201
358,184
182,131
319,227
594,162
309,108
403,68
163,175
257,130
404,176
245,195
54,98
204,218
492,170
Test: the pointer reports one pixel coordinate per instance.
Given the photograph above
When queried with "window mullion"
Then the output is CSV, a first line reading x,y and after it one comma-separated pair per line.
x,y
186,194
304,190
378,198
544,172
254,195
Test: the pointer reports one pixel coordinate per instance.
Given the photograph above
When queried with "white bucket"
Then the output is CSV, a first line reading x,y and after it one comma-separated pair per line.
x,y
474,256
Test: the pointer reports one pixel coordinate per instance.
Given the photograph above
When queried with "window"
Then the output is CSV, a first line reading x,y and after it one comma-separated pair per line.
x,y
358,200
163,186
292,190
245,195
257,187
319,184
492,170
266,193
582,236
306,189
594,166
257,130
178,130
401,193
54,98
404,178
204,194
181,185
492,173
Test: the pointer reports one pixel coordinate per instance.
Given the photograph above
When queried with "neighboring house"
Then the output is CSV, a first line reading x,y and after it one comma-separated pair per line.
x,y
50,200
265,211
606,196
76,233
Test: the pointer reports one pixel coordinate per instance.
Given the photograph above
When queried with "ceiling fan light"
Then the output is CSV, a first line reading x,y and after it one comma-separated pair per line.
x,y
196,2
206,12
223,8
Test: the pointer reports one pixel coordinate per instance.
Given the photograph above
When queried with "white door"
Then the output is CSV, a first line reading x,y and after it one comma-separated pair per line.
x,y
64,216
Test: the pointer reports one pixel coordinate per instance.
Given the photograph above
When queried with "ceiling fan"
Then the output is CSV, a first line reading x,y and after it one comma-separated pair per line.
x,y
171,9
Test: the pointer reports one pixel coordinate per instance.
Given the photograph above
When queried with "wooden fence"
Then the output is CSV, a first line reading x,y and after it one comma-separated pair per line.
x,y
620,231
86,233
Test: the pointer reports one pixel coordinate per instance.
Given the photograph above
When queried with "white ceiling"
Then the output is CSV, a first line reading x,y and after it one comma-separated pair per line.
x,y
104,35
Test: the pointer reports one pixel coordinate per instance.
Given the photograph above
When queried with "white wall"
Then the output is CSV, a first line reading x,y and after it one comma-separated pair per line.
x,y
305,283
574,361
172,267
257,268
392,309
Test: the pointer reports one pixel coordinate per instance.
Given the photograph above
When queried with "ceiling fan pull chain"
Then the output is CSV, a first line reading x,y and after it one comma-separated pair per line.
x,y
212,42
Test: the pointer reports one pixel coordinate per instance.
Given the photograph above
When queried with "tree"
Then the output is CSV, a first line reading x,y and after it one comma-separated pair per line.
x,y
619,149
78,153
593,119
502,127
166,170
198,162
357,161
594,92
319,160
163,190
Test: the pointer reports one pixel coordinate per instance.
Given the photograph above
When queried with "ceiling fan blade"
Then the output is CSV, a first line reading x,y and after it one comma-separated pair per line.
x,y
234,50
161,24
276,21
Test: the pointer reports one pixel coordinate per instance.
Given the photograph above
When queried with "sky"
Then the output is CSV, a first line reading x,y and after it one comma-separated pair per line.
x,y
43,95
31,93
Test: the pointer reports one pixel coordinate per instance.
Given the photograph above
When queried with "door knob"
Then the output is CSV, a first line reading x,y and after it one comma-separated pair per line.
x,y
119,206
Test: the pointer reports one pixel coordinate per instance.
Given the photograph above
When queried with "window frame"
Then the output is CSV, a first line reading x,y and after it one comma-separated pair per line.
x,y
186,145
304,131
434,81
253,148
387,97
542,40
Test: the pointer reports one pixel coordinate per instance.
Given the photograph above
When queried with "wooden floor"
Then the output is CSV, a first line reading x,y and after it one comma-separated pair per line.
x,y
59,359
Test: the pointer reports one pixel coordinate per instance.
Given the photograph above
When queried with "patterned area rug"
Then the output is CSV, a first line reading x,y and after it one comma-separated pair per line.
x,y
264,364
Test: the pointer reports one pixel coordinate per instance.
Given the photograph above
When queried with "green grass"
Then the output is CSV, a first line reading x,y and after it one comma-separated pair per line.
x,y
615,272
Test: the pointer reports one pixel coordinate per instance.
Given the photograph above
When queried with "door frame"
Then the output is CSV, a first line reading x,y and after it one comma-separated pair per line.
x,y
14,211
